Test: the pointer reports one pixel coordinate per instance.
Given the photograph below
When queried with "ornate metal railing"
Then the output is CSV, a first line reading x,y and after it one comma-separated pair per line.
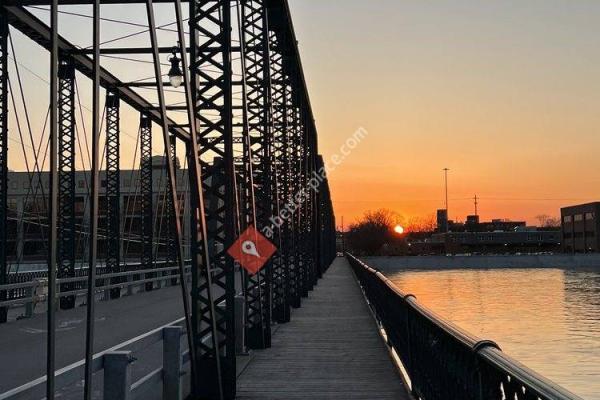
x,y
443,361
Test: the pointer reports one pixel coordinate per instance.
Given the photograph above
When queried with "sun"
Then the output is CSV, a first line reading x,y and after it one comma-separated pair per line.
x,y
399,229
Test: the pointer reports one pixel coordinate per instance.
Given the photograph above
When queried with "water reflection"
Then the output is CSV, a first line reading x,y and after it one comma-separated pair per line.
x,y
549,319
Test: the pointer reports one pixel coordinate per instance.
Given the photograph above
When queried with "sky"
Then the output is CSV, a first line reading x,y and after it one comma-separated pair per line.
x,y
503,93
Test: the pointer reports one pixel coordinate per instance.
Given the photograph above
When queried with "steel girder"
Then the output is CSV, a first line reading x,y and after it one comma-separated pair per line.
x,y
293,185
39,32
170,219
147,221
66,179
3,159
326,228
113,189
281,265
211,72
255,41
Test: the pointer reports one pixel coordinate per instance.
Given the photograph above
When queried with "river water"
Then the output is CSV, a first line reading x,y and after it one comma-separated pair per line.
x,y
548,319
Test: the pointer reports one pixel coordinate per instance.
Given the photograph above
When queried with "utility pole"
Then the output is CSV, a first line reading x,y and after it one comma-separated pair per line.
x,y
343,238
446,188
475,198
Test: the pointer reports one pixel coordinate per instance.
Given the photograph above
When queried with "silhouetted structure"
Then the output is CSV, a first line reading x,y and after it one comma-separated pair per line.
x,y
579,228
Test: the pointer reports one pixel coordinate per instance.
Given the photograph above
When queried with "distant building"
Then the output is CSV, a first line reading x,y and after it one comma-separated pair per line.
x,y
442,220
495,236
580,229
473,224
523,240
28,225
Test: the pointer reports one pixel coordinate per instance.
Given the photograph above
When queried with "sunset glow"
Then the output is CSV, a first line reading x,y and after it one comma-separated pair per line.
x,y
449,96
399,229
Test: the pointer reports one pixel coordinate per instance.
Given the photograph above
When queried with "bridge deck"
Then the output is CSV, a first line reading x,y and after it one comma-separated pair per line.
x,y
330,350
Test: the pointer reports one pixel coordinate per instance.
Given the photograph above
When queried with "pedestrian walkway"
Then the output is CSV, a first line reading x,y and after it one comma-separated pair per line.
x,y
330,350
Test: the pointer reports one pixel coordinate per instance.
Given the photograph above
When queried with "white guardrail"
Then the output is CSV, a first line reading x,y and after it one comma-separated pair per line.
x,y
115,363
37,289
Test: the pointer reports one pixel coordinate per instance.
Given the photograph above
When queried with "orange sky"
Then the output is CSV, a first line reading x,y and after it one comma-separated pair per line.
x,y
504,93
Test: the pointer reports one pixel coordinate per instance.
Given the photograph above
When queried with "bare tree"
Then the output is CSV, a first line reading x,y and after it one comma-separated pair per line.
x,y
422,224
372,231
547,221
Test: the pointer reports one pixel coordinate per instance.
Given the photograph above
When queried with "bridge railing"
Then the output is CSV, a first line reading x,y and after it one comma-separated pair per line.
x,y
442,360
115,364
28,293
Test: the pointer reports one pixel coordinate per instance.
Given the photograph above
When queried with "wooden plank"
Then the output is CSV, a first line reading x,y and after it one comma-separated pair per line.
x,y
330,350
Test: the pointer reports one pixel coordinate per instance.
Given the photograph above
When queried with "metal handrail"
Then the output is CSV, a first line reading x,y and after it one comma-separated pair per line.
x,y
42,283
72,373
441,359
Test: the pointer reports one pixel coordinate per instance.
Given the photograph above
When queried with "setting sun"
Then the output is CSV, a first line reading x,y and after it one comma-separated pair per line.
x,y
399,229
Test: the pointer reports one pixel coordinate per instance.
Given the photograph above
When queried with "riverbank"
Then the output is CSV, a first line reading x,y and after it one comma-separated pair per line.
x,y
579,261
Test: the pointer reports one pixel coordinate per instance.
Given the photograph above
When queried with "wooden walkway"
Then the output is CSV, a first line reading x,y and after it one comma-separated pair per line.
x,y
330,350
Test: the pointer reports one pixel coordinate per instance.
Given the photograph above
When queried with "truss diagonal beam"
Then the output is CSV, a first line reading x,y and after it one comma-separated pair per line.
x,y
36,30
3,159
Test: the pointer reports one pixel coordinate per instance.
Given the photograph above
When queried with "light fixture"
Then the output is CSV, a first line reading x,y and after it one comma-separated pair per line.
x,y
175,74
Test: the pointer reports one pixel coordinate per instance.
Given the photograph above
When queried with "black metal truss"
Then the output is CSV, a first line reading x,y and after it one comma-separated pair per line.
x,y
315,180
255,41
293,185
326,228
281,266
147,222
66,179
170,228
211,73
31,26
279,159
3,159
113,189
300,179
304,208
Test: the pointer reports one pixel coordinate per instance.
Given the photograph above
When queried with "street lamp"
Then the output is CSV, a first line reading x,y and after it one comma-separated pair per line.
x,y
175,74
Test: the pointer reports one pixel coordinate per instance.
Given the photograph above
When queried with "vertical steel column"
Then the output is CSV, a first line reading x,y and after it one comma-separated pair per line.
x,y
94,197
170,215
322,217
327,229
281,270
257,68
146,194
291,133
316,174
3,158
300,179
53,204
113,189
66,179
306,204
210,23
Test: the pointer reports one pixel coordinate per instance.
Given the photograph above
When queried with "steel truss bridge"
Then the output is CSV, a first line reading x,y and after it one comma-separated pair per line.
x,y
246,130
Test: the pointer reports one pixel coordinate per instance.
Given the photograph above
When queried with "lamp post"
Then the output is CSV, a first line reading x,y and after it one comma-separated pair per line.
x,y
175,73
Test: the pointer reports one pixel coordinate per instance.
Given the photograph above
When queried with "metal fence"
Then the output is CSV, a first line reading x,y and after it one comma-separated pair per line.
x,y
116,363
443,361
30,288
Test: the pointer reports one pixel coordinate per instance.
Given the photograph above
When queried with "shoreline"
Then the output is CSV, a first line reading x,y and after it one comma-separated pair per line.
x,y
562,261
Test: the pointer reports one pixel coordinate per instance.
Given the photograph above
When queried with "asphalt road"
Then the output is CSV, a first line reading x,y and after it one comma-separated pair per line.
x,y
23,343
